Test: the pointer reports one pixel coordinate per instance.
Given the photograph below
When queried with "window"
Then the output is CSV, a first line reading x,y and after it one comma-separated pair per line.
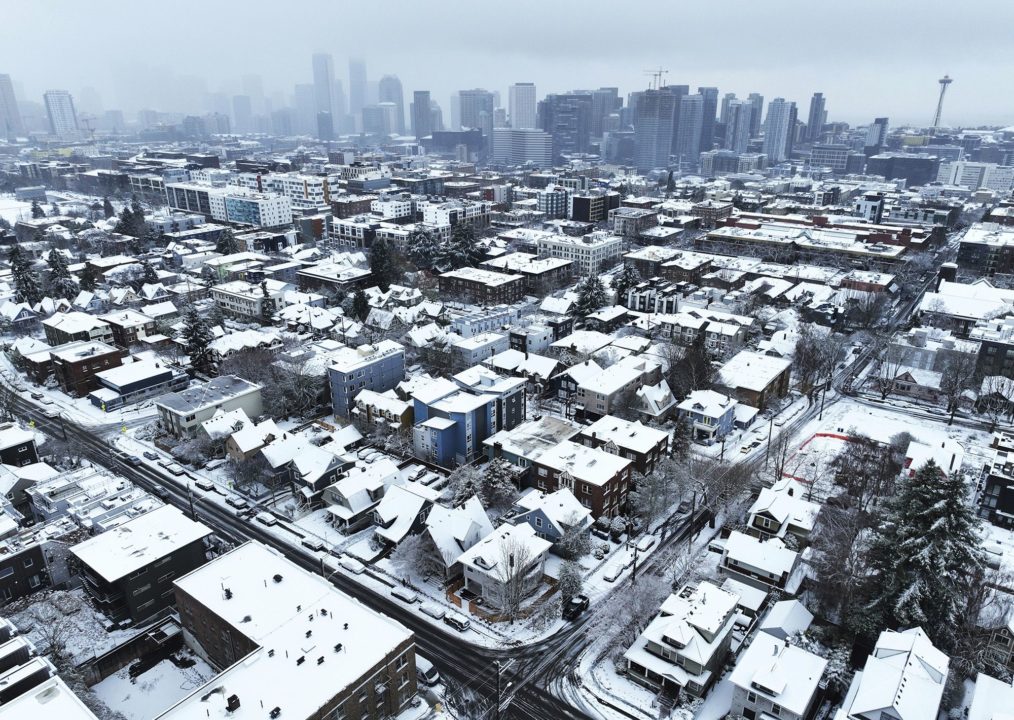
x,y
751,697
538,522
34,582
143,589
6,572
776,709
401,662
28,562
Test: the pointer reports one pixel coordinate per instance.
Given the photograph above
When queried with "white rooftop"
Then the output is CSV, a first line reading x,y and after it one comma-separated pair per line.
x,y
782,673
137,543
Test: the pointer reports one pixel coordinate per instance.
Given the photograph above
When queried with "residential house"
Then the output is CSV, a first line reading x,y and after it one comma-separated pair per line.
x,y
17,445
992,700
782,513
383,409
76,365
524,444
903,678
917,383
505,566
71,326
657,402
774,679
243,443
761,563
403,511
756,379
712,415
452,531
128,327
614,389
352,499
553,516
685,646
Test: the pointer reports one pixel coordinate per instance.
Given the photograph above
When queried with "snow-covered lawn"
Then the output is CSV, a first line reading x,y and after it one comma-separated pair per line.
x,y
155,690
13,210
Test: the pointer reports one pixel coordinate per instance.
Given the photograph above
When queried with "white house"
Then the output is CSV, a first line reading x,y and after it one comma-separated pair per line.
x,y
455,530
902,680
489,564
775,679
761,563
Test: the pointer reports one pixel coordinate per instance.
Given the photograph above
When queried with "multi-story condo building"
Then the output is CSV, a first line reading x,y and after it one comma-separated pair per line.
x,y
590,253
483,287
522,146
377,367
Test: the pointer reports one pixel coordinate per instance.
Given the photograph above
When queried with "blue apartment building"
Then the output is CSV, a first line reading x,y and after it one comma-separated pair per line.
x,y
377,367
449,430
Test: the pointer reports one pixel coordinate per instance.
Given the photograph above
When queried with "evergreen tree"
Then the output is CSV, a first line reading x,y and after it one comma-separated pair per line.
x,y
267,305
216,318
150,276
670,185
682,436
125,224
627,278
54,210
26,281
360,306
571,581
89,278
591,296
462,250
37,211
227,244
924,557
382,264
500,487
107,208
60,283
422,249
197,336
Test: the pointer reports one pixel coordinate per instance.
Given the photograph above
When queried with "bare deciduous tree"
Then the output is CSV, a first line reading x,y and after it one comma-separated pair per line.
x,y
515,567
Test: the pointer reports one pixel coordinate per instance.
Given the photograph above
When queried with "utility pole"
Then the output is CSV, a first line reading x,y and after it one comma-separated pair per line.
x,y
767,451
499,689
190,497
823,396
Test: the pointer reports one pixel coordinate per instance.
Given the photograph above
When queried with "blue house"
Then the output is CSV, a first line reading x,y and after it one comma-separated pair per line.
x,y
712,415
452,423
377,367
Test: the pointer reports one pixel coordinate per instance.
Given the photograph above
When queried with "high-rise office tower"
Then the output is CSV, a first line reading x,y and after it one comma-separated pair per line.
x,y
815,119
689,133
567,117
739,114
242,113
473,102
680,91
605,100
710,95
757,100
422,115
436,116
11,124
876,136
723,116
521,104
656,112
389,90
357,86
323,84
778,127
500,118
62,117
455,112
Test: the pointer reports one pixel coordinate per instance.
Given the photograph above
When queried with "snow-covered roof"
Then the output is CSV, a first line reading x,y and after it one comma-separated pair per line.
x,y
74,322
530,439
708,403
948,455
584,342
751,370
782,673
12,435
786,509
251,436
750,598
132,372
626,434
786,618
769,555
399,509
528,364
455,530
290,614
49,699
905,675
583,463
490,554
139,542
561,507
993,699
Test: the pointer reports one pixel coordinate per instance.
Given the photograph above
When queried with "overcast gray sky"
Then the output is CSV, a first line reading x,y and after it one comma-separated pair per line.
x,y
869,57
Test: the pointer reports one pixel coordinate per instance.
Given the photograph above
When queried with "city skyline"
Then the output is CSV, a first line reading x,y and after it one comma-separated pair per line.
x,y
890,69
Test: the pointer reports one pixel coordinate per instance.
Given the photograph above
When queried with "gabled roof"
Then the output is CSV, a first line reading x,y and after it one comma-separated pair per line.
x,y
489,555
455,530
786,674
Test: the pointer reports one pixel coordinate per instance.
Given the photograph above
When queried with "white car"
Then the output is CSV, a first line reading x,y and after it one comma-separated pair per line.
x,y
352,565
613,573
405,595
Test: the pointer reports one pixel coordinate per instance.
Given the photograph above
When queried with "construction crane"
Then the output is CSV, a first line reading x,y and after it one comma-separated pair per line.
x,y
944,82
657,76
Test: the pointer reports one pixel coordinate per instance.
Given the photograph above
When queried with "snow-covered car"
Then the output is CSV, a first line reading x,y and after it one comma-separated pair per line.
x,y
150,455
352,565
433,610
646,543
613,573
405,595
425,671
575,606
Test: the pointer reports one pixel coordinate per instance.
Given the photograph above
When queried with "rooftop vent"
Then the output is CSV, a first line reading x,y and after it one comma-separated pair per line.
x,y
232,704
275,712
300,660
228,594
277,578
320,660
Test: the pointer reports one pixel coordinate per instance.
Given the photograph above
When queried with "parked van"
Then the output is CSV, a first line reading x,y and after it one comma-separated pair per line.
x,y
435,611
425,671
457,621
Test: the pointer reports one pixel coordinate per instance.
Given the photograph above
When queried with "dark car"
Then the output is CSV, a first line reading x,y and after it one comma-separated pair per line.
x,y
132,460
577,605
160,492
150,455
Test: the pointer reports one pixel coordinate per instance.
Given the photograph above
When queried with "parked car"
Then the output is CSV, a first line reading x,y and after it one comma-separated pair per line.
x,y
150,455
405,595
577,605
435,611
646,543
37,396
266,518
236,502
613,573
312,543
352,565
203,484
132,460
457,621
174,469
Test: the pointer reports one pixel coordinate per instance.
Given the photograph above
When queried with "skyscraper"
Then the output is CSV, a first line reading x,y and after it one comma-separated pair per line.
x,y
62,117
567,117
389,90
689,132
323,83
357,86
604,101
757,100
710,95
304,101
474,102
422,115
815,120
521,104
739,114
876,136
242,113
656,111
10,117
724,114
778,128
